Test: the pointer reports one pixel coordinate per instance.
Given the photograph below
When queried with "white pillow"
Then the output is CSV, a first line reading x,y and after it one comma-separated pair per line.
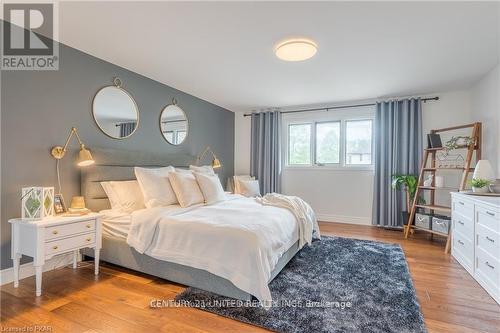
x,y
186,188
211,188
182,170
202,169
249,188
237,182
155,186
125,196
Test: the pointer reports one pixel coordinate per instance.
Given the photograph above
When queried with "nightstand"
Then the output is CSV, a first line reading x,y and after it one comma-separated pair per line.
x,y
44,239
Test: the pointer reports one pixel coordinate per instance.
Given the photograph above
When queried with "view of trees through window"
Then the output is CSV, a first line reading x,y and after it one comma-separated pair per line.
x,y
353,137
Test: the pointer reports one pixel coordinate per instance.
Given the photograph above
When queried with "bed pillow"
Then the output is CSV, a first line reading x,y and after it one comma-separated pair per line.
x,y
237,180
210,187
186,188
155,186
249,188
202,169
125,196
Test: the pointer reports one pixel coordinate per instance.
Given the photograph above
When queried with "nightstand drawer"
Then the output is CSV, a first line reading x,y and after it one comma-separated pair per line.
x,y
63,245
69,229
463,225
464,208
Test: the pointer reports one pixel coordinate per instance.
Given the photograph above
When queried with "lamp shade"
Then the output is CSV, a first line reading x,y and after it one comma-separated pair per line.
x,y
216,164
85,157
484,170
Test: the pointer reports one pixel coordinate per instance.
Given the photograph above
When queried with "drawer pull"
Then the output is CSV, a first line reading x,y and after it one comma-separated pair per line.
x,y
55,247
460,242
460,202
55,232
490,265
461,223
490,239
490,213
88,226
89,239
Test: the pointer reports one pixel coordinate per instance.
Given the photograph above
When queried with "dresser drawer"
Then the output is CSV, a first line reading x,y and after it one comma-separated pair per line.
x,y
488,241
69,229
463,251
488,217
463,225
464,208
63,245
488,270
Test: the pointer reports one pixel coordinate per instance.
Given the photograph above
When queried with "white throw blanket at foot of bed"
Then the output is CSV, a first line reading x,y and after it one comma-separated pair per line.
x,y
239,239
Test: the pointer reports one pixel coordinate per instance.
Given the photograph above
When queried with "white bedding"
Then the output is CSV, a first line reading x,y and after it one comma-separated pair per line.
x,y
238,239
116,223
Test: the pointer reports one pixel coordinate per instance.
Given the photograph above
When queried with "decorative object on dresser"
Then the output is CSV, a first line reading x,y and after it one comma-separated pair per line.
x,y
52,236
476,239
174,125
37,202
472,145
77,207
216,164
115,111
480,185
59,205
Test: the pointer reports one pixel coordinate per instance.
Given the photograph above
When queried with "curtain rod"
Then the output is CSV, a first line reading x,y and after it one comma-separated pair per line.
x,y
436,98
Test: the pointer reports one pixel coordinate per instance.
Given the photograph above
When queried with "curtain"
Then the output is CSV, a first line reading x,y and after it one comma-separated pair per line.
x,y
399,149
265,150
126,129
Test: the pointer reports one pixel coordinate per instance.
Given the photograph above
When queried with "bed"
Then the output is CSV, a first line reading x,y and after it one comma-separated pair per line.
x,y
119,165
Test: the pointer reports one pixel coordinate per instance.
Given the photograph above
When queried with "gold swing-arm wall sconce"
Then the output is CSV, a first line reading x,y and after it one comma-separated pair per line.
x,y
84,157
216,164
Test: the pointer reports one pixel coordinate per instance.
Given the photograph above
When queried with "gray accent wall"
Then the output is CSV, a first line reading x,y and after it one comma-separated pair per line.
x,y
38,108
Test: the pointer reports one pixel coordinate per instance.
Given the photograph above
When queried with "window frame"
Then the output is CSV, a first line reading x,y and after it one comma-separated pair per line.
x,y
343,116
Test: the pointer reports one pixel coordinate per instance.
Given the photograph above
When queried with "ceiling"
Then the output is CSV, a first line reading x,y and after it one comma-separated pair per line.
x,y
223,51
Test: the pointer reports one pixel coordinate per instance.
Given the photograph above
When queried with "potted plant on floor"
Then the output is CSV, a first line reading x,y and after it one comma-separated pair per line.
x,y
409,184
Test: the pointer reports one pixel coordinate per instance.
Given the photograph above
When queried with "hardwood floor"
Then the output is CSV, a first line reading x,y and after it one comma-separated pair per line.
x,y
118,300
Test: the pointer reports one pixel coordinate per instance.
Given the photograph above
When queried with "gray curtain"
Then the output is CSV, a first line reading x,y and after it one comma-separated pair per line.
x,y
126,129
265,158
398,150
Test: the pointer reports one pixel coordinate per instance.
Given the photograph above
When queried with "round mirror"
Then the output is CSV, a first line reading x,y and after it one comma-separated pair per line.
x,y
115,112
174,124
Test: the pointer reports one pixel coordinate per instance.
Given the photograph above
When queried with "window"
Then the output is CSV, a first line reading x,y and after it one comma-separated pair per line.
x,y
358,142
181,135
299,144
328,143
338,143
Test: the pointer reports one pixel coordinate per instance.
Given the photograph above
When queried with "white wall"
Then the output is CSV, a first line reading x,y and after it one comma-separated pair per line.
x,y
486,108
344,195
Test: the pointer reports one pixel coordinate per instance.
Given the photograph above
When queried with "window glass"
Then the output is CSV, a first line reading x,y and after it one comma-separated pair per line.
x,y
358,139
299,144
328,142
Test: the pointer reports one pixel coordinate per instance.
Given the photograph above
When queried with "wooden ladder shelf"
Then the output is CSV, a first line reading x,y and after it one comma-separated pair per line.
x,y
433,168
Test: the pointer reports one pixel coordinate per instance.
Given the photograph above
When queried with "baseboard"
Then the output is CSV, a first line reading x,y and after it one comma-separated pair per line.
x,y
27,269
344,219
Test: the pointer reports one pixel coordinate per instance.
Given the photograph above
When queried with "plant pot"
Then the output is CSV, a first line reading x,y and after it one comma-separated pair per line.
x,y
484,189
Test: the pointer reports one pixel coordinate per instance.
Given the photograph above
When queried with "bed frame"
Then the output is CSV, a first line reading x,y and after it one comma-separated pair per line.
x,y
119,165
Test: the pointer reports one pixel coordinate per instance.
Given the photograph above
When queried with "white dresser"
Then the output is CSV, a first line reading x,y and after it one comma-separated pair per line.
x,y
52,236
476,238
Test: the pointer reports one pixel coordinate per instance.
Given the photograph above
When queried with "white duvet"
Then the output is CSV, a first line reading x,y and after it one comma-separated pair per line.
x,y
238,239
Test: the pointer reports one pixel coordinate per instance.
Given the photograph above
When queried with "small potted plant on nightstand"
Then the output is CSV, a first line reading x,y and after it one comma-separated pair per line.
x,y
479,185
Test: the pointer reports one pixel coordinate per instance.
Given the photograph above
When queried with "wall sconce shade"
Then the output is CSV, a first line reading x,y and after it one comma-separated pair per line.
x,y
84,157
216,164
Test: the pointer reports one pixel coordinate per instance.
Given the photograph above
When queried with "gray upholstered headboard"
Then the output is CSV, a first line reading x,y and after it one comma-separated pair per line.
x,y
112,164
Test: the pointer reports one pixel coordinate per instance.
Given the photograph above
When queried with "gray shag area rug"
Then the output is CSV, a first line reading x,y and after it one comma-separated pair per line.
x,y
334,285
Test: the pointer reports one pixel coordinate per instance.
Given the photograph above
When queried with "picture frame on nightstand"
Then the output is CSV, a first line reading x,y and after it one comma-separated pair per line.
x,y
59,205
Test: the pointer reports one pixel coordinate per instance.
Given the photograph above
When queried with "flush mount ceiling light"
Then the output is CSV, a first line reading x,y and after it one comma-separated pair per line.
x,y
296,49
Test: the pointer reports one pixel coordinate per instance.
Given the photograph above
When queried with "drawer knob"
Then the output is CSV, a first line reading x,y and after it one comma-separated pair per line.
x,y
55,247
490,239
55,232
89,239
88,226
490,213
460,242
490,265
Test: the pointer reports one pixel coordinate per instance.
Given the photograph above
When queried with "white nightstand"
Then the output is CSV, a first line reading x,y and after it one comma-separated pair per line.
x,y
52,236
